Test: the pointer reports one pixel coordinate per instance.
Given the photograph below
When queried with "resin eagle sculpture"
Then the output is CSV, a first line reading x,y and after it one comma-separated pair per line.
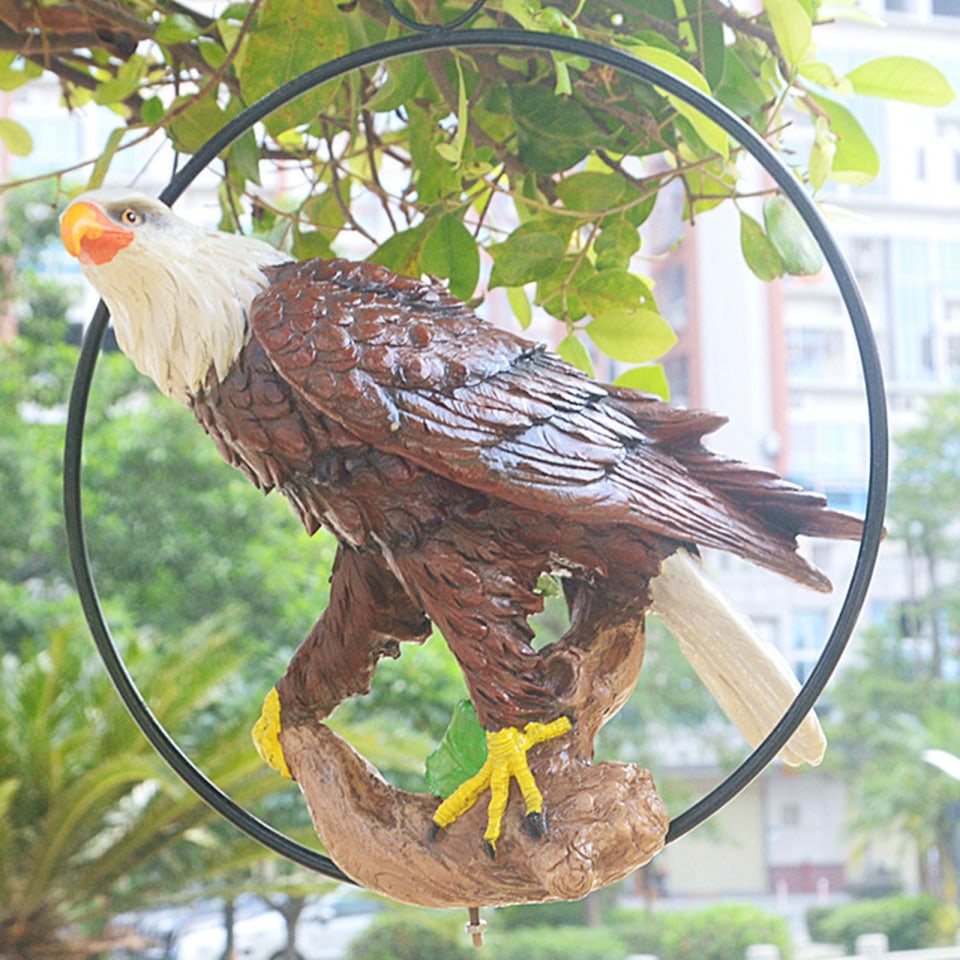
x,y
455,463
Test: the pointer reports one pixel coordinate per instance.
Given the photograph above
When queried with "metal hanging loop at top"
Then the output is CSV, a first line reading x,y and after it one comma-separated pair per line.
x,y
454,24
424,40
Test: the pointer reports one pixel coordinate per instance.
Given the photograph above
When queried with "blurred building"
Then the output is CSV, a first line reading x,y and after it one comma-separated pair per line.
x,y
781,361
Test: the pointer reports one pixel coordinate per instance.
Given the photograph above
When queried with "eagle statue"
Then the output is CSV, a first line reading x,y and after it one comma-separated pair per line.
x,y
455,463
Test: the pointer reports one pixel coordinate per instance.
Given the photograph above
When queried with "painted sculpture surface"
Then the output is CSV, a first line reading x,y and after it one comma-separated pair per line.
x,y
456,463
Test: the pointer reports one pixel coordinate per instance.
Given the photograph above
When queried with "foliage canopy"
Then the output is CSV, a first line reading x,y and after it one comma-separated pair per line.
x,y
547,164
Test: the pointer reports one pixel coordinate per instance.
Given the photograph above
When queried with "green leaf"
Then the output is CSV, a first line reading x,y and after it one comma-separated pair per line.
x,y
902,78
617,290
100,168
526,255
212,52
198,122
401,79
649,378
152,111
789,234
575,353
634,336
792,28
558,289
591,191
618,241
451,251
311,243
244,158
520,305
176,28
291,38
758,250
822,153
709,132
461,752
453,152
326,212
553,132
401,252
15,137
627,325
13,77
739,88
128,79
855,159
824,74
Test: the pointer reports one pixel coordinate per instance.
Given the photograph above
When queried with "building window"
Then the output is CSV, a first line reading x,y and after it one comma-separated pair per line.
x,y
946,8
912,308
809,636
790,815
815,354
953,357
828,456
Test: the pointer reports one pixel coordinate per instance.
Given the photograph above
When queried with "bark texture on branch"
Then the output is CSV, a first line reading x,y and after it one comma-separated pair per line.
x,y
605,820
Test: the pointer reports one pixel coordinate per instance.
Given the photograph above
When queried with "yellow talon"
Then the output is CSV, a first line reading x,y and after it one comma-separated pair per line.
x,y
506,758
266,734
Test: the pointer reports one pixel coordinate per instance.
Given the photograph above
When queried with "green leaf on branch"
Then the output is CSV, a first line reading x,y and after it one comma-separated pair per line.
x,y
617,242
176,28
575,353
553,132
291,38
789,234
792,27
199,120
855,159
15,137
100,168
626,324
759,252
558,290
450,251
520,305
740,90
461,752
152,111
650,378
128,78
401,252
825,76
453,152
311,243
529,253
822,153
713,136
13,77
902,78
591,191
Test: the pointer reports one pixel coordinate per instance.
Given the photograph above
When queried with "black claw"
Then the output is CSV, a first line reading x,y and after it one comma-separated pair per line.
x,y
490,849
535,823
435,829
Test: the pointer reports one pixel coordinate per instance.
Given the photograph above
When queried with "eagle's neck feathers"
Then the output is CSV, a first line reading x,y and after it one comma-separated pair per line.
x,y
180,303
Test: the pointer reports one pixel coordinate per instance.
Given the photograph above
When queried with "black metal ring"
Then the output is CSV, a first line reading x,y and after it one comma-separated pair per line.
x,y
869,358
454,24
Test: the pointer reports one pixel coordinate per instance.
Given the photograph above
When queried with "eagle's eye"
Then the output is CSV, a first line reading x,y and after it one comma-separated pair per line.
x,y
131,217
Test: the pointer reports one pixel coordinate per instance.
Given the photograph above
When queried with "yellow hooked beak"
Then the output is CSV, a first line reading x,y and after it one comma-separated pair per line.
x,y
90,235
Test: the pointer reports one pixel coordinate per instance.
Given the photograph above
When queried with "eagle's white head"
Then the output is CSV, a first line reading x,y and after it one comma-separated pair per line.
x,y
178,294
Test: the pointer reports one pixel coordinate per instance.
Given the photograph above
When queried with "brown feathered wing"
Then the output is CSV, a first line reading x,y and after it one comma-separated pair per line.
x,y
411,370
